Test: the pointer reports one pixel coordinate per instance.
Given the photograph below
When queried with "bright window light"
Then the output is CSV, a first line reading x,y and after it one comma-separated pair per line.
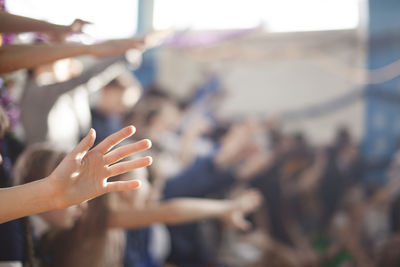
x,y
274,15
111,19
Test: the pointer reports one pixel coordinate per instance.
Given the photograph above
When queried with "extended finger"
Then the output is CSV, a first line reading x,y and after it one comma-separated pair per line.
x,y
127,166
122,185
85,144
124,151
114,139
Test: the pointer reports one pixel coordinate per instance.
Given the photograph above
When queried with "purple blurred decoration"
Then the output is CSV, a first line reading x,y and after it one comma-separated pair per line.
x,y
190,39
8,105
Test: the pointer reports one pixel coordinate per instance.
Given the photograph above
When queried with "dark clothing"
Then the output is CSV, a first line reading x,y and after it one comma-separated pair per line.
x,y
199,180
12,234
12,241
105,124
137,252
268,184
188,247
335,180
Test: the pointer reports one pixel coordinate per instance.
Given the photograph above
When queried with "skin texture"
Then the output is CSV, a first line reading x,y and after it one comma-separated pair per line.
x,y
15,57
10,23
82,175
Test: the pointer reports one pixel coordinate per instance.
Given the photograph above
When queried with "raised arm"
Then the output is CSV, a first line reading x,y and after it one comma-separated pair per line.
x,y
182,210
15,57
10,23
82,175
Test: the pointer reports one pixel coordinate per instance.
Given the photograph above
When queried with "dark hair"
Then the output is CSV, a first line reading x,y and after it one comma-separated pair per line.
x,y
343,137
115,83
389,255
37,162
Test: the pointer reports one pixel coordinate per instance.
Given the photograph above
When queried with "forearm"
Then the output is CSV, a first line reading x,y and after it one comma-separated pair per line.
x,y
10,23
14,57
183,210
57,89
27,199
175,211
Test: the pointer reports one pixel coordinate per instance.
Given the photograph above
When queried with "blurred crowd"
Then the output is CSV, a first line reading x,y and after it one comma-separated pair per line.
x,y
231,192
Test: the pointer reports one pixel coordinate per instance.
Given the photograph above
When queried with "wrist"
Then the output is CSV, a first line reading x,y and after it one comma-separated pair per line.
x,y
229,207
56,28
54,192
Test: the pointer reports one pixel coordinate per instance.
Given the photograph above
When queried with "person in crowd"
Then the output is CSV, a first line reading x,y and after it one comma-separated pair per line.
x,y
79,177
98,238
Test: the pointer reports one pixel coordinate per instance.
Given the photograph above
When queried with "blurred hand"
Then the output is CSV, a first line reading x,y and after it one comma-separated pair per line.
x,y
59,35
254,164
77,26
114,47
83,173
242,205
155,38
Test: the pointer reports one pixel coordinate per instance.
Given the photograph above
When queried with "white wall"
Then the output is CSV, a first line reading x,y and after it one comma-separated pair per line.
x,y
275,73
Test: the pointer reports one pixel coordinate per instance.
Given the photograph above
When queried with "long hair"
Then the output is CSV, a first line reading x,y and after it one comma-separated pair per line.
x,y
35,163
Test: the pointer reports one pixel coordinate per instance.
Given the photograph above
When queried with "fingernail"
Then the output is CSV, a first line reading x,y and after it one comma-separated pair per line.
x,y
150,160
149,142
133,128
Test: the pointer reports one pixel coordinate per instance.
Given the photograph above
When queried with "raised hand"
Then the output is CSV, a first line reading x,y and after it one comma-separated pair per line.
x,y
243,204
156,38
77,26
83,173
59,34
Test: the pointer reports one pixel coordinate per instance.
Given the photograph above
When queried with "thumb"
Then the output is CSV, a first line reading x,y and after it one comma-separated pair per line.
x,y
86,143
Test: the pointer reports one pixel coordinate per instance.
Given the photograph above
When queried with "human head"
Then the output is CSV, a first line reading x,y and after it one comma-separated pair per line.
x,y
37,162
119,95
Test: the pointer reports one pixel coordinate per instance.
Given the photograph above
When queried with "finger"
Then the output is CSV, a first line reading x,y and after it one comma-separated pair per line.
x,y
124,151
84,21
127,166
240,222
85,144
114,139
122,185
244,225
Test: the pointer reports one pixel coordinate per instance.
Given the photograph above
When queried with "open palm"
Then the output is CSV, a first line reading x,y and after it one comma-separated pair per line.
x,y
83,173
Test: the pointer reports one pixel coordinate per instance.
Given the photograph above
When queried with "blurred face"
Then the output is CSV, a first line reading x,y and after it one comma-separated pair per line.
x,y
112,100
118,100
64,218
170,116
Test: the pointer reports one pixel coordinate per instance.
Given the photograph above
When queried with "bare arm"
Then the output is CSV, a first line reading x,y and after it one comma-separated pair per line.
x,y
182,210
10,23
14,57
80,176
171,212
27,199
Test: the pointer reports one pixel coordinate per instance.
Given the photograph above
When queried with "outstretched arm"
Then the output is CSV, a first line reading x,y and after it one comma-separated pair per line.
x,y
15,57
82,175
182,210
10,23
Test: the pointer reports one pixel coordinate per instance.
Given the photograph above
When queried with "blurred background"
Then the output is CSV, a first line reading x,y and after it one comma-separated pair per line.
x,y
304,61
299,99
